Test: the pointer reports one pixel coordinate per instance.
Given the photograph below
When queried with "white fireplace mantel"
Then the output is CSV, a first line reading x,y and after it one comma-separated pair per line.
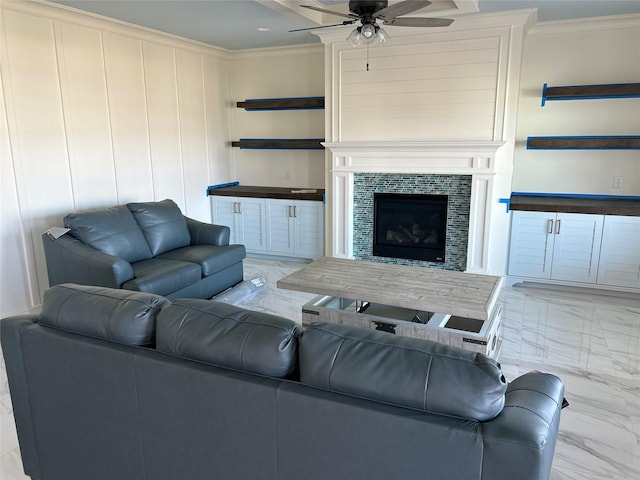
x,y
462,158
477,159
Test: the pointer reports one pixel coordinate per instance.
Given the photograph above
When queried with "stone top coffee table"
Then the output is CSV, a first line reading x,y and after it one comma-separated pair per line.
x,y
457,293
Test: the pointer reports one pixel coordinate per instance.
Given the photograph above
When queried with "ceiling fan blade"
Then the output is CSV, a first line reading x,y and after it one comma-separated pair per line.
x,y
339,14
419,22
401,8
346,22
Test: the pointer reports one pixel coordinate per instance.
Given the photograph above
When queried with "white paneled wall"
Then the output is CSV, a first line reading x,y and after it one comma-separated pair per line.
x,y
97,113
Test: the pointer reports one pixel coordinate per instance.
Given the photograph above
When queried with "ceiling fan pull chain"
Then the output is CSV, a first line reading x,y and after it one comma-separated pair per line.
x,y
367,57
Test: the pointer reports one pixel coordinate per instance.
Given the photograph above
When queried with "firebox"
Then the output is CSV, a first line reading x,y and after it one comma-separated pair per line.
x,y
410,226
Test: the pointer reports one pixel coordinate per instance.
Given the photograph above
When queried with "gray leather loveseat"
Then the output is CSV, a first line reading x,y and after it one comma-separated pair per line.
x,y
109,384
148,247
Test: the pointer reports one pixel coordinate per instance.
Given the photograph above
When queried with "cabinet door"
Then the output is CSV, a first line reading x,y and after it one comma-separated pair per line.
x,y
576,248
252,224
224,212
280,234
309,228
531,245
620,252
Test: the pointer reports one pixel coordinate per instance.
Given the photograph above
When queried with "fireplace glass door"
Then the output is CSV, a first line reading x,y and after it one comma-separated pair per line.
x,y
410,226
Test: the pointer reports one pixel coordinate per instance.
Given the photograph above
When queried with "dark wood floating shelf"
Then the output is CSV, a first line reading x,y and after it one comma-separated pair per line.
x,y
624,142
298,103
593,204
590,92
280,144
316,194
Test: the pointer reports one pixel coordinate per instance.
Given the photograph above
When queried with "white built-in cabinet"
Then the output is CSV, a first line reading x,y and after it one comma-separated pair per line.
x,y
574,247
620,252
293,228
245,217
556,246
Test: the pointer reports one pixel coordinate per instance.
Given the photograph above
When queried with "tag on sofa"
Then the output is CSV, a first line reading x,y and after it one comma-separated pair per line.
x,y
56,232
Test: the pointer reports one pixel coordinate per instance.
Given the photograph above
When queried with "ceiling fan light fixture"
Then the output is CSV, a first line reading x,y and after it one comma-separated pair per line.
x,y
368,31
355,38
367,34
381,36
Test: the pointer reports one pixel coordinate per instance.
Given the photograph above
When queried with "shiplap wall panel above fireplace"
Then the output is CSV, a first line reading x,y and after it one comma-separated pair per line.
x,y
431,90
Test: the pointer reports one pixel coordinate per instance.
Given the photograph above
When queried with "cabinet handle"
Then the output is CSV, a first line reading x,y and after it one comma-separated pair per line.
x,y
289,211
558,227
550,225
295,211
235,207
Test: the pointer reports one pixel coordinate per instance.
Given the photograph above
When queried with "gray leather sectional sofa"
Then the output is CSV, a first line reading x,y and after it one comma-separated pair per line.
x,y
111,384
148,247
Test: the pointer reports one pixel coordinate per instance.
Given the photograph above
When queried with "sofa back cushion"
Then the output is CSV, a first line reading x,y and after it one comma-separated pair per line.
x,y
229,336
113,231
111,314
162,224
403,371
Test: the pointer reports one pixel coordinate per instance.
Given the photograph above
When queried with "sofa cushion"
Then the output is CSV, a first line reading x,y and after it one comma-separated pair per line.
x,y
211,258
162,276
162,224
111,314
113,231
404,371
229,336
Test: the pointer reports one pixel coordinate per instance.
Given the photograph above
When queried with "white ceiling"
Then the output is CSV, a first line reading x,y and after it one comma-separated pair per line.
x,y
237,24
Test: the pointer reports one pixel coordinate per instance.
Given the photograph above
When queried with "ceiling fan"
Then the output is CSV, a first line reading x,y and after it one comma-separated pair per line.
x,y
369,12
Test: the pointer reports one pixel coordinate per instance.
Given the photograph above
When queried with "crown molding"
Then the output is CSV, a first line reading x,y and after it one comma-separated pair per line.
x,y
73,16
612,22
305,49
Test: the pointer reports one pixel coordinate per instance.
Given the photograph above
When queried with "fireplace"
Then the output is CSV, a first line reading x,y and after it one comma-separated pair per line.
x,y
456,189
476,221
410,226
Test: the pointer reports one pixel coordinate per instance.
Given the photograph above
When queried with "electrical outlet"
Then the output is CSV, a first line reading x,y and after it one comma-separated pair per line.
x,y
617,181
286,175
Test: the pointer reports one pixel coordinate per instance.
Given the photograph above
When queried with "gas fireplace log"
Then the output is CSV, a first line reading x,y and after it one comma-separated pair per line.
x,y
407,233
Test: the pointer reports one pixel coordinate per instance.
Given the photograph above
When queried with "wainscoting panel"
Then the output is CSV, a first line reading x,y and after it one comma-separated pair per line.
x,y
15,268
164,125
38,142
193,131
86,115
128,115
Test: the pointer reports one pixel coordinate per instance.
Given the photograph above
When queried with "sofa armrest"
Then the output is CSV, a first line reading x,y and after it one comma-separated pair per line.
x,y
11,329
522,437
71,261
207,233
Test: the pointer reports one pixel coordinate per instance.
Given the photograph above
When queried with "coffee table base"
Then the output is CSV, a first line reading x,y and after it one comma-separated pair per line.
x,y
483,336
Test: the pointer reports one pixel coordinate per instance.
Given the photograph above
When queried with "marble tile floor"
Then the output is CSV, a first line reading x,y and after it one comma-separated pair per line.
x,y
589,338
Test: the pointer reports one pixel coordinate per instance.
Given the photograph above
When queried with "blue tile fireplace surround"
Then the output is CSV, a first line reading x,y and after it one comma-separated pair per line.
x,y
457,187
